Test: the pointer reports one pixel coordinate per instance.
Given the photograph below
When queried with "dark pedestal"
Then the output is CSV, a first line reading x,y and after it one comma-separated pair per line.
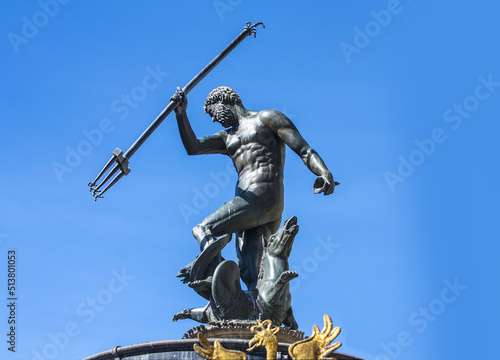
x,y
183,350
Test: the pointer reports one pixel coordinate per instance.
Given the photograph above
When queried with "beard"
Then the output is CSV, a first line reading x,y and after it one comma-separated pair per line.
x,y
223,115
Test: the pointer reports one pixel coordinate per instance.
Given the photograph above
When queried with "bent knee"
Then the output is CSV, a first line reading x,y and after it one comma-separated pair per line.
x,y
197,229
202,229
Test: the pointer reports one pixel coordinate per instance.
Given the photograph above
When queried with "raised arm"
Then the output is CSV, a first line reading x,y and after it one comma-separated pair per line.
x,y
287,132
212,144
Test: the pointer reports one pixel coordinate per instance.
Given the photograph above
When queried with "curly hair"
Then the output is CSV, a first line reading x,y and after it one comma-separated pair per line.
x,y
224,95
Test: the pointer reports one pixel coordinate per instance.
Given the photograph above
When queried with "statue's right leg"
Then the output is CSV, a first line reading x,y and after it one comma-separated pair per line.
x,y
203,235
244,212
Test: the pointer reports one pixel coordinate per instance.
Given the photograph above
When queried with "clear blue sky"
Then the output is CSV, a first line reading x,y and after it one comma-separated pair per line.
x,y
401,99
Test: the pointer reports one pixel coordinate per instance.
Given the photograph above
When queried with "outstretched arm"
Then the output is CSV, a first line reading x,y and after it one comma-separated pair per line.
x,y
287,132
213,144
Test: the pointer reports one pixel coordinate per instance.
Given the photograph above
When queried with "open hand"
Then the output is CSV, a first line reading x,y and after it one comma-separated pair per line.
x,y
325,184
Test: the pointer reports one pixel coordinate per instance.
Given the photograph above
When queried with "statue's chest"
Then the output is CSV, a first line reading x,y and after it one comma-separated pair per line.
x,y
250,134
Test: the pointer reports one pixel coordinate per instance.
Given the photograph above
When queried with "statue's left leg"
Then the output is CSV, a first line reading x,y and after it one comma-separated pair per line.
x,y
249,251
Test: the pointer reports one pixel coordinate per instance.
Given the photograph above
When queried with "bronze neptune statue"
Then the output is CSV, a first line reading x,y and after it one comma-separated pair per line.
x,y
255,141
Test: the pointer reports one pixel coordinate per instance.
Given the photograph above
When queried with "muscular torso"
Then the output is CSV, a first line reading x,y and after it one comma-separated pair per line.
x,y
258,155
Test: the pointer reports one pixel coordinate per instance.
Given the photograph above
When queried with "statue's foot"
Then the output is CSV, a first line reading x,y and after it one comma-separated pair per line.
x,y
287,276
201,285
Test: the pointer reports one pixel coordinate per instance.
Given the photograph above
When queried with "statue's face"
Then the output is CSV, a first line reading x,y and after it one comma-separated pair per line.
x,y
222,114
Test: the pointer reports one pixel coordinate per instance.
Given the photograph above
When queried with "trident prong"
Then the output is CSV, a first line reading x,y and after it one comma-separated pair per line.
x,y
98,196
121,163
252,29
99,193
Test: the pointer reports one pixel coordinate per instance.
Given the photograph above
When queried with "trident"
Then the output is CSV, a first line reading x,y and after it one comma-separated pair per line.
x,y
120,159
